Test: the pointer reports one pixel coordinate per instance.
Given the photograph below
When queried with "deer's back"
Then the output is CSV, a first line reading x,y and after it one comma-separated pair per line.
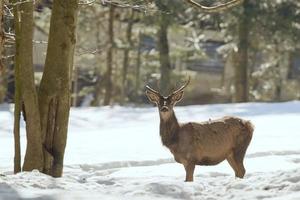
x,y
211,141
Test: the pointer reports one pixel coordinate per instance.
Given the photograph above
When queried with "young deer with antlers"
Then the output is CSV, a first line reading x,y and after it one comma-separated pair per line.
x,y
205,143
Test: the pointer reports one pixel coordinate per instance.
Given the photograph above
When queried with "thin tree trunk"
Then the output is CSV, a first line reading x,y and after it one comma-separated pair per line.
x,y
138,67
54,93
126,54
164,58
75,87
241,67
17,113
278,89
99,81
18,103
108,75
3,84
26,88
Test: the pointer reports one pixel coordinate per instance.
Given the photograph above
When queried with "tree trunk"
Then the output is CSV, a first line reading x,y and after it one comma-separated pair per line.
x,y
3,84
18,102
17,113
99,81
75,87
108,74
26,92
54,93
138,68
126,54
241,67
164,58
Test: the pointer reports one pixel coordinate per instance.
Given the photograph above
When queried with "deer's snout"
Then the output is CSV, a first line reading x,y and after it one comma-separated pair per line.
x,y
164,109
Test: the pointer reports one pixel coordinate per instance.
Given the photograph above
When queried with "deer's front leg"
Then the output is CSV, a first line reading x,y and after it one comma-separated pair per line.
x,y
189,169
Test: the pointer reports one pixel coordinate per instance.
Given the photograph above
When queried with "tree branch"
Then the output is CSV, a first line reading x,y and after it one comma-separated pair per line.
x,y
217,8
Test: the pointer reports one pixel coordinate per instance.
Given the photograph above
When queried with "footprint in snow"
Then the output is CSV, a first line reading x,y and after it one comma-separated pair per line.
x,y
295,188
296,160
106,182
294,179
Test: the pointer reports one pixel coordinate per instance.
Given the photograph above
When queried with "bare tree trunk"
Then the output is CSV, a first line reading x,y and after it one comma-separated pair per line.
x,y
164,58
24,34
126,54
18,103
17,113
54,93
138,68
241,67
278,85
108,75
75,87
99,81
3,84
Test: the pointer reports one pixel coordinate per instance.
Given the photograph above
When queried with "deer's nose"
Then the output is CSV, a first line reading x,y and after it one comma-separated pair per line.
x,y
164,109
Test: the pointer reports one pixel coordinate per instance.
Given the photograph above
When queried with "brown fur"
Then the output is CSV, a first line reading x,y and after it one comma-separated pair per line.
x,y
205,143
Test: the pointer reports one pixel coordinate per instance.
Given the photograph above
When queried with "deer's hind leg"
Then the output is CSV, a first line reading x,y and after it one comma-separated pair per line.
x,y
236,158
237,165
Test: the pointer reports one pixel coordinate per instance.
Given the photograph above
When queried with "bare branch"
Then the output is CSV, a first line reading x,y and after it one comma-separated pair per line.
x,y
39,42
90,51
88,3
20,2
8,10
217,8
7,57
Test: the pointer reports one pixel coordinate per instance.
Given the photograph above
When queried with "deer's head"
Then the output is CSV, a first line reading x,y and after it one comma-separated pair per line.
x,y
165,104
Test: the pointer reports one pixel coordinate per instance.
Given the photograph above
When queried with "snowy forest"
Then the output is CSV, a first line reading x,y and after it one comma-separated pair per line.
x,y
155,99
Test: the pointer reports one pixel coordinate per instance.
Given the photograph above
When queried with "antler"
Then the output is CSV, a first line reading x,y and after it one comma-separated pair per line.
x,y
182,87
152,90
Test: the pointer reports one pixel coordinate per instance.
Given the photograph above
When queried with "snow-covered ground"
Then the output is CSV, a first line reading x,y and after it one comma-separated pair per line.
x,y
116,153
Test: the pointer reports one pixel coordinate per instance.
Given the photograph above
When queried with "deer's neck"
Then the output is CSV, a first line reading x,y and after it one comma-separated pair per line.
x,y
169,130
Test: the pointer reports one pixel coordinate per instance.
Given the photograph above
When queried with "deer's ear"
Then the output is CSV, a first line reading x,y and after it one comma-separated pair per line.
x,y
154,98
177,97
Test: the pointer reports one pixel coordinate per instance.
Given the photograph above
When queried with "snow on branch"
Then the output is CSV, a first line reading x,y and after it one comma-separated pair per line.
x,y
217,8
117,4
20,2
87,2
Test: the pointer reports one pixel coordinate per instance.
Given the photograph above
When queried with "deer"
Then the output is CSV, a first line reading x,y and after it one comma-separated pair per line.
x,y
204,143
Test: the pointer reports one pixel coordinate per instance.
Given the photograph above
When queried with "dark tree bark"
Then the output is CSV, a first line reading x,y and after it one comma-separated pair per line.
x,y
54,93
126,54
26,96
138,68
108,74
241,65
164,58
99,81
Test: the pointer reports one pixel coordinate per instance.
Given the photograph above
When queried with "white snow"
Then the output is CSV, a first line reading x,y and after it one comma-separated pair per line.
x,y
116,153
